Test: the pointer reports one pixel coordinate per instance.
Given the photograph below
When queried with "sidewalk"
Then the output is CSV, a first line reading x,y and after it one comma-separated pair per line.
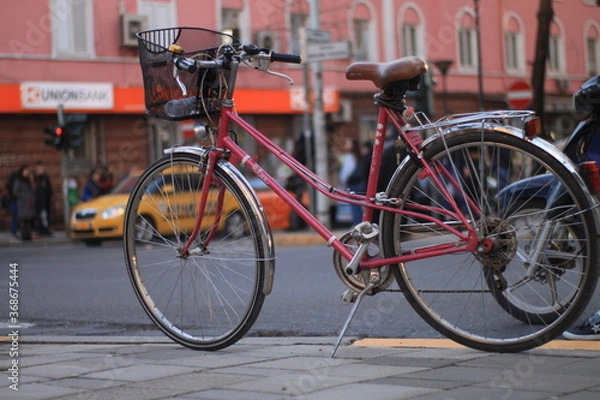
x,y
289,368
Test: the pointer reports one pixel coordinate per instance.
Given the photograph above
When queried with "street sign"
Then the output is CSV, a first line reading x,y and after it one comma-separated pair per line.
x,y
519,95
327,51
317,36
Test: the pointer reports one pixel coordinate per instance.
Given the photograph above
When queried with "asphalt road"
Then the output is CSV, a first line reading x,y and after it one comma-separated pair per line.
x,y
72,289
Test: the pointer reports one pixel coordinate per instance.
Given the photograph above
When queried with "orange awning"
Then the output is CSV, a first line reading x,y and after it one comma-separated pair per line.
x,y
130,100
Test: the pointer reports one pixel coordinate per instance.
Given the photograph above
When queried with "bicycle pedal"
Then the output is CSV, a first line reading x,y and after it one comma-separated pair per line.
x,y
349,296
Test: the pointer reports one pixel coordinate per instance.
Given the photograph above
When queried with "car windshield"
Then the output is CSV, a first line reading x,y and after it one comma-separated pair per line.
x,y
125,186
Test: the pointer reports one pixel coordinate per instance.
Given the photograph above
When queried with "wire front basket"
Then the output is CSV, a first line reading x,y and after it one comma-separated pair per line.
x,y
197,94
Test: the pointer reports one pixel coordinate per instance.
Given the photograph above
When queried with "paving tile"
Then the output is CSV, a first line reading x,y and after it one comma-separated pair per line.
x,y
368,372
431,384
531,380
36,391
457,374
193,382
129,392
224,394
407,361
302,363
487,394
86,383
367,391
504,361
292,384
585,395
136,373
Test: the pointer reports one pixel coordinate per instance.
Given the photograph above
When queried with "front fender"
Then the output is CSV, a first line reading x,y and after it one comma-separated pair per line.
x,y
256,206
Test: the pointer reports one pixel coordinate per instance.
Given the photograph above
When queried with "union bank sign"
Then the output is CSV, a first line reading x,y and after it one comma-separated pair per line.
x,y
71,95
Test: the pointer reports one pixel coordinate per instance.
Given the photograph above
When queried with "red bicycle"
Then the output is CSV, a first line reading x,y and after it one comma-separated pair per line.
x,y
478,261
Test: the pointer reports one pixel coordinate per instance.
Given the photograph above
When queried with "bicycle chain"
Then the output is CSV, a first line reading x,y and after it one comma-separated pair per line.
x,y
440,291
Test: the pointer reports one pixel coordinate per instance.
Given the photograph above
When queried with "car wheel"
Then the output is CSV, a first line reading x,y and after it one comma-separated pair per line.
x,y
144,228
235,226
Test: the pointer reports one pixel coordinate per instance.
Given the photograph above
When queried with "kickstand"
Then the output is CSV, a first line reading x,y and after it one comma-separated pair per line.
x,y
350,316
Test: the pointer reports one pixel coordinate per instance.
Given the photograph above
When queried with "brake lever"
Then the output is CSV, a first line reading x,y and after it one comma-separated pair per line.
x,y
263,65
178,80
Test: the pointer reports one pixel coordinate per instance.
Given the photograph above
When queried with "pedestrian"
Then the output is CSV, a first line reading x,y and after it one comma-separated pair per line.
x,y
43,199
352,175
23,190
588,330
12,206
92,187
106,181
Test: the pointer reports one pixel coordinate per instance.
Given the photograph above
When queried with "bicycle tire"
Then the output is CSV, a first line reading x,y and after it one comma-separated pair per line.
x,y
453,295
210,298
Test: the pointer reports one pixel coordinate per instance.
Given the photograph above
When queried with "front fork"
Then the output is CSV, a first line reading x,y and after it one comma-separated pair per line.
x,y
206,186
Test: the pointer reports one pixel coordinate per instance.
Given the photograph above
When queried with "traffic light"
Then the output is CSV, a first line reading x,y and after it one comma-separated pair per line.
x,y
57,136
422,97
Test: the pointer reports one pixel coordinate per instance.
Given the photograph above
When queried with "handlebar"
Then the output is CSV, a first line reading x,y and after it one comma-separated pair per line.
x,y
249,51
286,58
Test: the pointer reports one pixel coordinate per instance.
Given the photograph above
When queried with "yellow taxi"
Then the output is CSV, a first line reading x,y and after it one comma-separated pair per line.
x,y
102,218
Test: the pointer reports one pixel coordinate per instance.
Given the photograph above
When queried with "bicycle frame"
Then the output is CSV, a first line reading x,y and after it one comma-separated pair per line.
x,y
228,148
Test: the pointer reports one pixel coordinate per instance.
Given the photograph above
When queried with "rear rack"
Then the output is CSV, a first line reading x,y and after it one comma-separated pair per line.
x,y
515,118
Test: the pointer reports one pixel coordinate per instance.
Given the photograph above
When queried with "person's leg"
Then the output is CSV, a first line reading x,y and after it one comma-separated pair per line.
x,y
14,218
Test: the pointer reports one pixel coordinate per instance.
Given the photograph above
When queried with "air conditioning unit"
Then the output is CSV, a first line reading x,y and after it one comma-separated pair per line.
x,y
345,112
130,25
267,39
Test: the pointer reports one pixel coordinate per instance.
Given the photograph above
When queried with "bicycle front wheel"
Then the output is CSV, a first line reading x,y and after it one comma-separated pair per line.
x,y
535,266
209,297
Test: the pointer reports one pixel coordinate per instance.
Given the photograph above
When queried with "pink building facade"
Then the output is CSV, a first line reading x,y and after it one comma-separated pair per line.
x,y
82,54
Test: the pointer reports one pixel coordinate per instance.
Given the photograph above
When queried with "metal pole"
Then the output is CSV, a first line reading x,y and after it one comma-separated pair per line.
x,y
479,66
321,165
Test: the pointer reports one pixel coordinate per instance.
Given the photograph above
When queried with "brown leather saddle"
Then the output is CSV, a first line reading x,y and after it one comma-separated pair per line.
x,y
387,74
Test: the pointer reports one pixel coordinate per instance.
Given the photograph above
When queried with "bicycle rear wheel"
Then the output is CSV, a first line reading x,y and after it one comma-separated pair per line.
x,y
501,297
209,298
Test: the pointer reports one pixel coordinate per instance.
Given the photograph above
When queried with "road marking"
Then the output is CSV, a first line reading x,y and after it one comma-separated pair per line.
x,y
449,344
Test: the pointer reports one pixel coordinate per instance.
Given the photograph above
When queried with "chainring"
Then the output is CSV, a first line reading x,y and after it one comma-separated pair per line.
x,y
359,281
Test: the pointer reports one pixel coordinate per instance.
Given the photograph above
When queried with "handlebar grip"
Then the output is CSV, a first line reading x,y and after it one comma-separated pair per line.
x,y
286,58
185,64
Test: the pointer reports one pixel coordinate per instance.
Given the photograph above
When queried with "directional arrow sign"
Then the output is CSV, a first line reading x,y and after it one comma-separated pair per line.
x,y
327,51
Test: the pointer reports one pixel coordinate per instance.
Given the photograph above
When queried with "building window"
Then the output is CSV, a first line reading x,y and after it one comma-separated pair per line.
x,y
592,46
467,42
361,40
230,22
364,47
72,28
556,51
412,32
409,40
514,57
160,14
